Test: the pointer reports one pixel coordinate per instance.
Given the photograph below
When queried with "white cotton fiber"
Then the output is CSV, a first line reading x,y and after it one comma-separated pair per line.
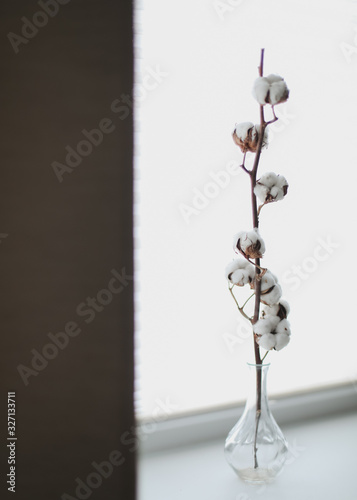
x,y
283,327
239,277
239,272
274,192
270,90
261,90
282,340
267,281
267,341
251,243
270,310
266,325
242,129
281,181
274,78
285,305
274,186
269,179
278,92
261,192
273,296
261,327
276,309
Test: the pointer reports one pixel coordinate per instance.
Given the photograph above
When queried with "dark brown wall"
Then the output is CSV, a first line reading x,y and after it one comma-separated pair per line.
x,y
63,241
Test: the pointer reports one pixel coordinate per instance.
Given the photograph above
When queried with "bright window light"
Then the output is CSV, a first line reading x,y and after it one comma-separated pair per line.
x,y
196,62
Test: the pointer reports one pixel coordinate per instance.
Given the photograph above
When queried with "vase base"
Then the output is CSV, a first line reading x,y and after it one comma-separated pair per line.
x,y
258,475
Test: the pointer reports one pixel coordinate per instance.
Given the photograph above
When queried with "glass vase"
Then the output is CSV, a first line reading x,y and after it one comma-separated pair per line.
x,y
256,448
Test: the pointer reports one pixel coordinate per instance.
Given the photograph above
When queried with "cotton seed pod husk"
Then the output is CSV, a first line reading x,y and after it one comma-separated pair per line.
x,y
248,142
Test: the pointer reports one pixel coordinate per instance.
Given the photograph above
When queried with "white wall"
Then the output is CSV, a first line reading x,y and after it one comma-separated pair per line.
x,y
186,318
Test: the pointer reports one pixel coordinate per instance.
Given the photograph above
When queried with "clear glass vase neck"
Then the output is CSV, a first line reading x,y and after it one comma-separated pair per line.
x,y
257,379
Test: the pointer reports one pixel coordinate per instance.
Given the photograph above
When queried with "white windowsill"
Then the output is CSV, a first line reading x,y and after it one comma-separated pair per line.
x,y
321,465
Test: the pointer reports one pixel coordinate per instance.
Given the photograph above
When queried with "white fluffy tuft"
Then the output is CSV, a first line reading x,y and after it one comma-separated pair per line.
x,y
278,92
261,90
247,239
273,296
261,192
240,272
267,341
283,327
242,129
274,309
282,341
266,325
272,332
271,89
274,78
269,179
271,187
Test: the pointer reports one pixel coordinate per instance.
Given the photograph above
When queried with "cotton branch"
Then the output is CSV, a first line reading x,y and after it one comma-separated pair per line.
x,y
240,309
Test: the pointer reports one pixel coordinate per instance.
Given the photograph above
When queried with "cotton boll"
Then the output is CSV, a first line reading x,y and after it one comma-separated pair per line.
x,y
261,327
274,78
270,310
234,265
266,325
236,239
268,281
281,310
283,327
261,192
267,341
230,268
261,90
274,276
240,272
274,192
273,322
270,90
269,179
242,136
256,240
240,277
250,270
286,306
246,135
281,181
237,277
273,296
280,195
282,340
242,129
275,187
278,93
250,243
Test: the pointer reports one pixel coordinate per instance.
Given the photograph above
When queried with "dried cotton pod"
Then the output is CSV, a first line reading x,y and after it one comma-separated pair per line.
x,y
250,243
246,136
